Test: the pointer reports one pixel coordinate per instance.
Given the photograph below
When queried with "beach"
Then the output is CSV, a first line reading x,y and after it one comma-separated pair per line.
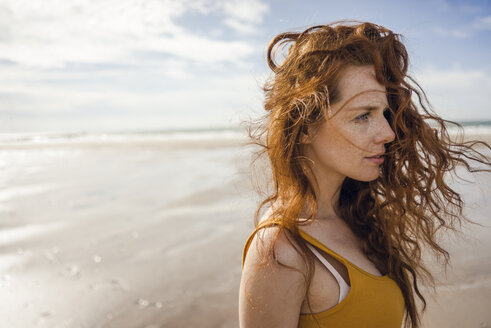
x,y
148,232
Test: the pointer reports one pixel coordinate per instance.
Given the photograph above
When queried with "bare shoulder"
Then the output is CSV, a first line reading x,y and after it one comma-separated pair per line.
x,y
271,294
284,246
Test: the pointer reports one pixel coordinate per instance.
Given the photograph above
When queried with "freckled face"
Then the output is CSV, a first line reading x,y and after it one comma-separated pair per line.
x,y
347,144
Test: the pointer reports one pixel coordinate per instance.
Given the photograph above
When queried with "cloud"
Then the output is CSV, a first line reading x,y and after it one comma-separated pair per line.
x,y
124,63
482,23
122,98
465,8
466,30
244,16
239,26
457,93
459,33
54,33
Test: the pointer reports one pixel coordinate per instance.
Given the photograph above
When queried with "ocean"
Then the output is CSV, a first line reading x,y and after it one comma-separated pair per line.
x,y
196,134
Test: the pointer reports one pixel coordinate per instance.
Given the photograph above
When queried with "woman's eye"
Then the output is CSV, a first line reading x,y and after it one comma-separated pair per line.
x,y
363,117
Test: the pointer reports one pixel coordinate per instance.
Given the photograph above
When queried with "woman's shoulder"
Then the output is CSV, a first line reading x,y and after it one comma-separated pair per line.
x,y
274,244
273,284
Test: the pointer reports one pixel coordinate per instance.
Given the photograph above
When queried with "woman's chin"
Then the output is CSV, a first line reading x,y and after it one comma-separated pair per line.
x,y
368,177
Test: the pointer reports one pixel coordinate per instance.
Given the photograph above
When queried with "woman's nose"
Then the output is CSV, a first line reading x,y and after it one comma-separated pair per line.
x,y
385,133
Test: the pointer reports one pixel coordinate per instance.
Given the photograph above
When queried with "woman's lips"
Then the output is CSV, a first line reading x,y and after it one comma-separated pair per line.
x,y
376,159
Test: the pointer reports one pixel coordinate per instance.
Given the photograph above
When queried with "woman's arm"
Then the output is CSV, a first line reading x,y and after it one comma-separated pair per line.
x,y
271,295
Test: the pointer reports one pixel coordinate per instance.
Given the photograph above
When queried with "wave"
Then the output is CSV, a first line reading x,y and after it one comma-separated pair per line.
x,y
472,128
227,133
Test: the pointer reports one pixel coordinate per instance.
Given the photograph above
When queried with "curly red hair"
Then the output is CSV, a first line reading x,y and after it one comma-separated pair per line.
x,y
395,216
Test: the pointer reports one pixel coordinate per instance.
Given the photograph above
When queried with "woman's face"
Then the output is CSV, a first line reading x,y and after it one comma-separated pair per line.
x,y
352,141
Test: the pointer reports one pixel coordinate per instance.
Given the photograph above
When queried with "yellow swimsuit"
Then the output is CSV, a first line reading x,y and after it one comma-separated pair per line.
x,y
372,301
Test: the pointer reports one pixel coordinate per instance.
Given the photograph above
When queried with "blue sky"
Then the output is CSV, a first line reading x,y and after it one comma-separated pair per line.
x,y
106,65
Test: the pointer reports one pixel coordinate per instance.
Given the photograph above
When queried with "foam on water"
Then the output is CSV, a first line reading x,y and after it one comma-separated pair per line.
x,y
230,133
482,129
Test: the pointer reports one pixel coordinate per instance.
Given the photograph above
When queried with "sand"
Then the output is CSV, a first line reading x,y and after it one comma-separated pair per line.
x,y
151,235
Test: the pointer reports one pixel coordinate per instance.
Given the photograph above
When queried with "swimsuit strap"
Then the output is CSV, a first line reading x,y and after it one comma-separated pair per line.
x,y
344,288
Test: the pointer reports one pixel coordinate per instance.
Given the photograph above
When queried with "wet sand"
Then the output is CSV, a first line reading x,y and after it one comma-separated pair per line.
x,y
139,235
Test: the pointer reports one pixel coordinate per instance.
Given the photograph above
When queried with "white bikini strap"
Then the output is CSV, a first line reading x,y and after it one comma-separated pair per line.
x,y
343,286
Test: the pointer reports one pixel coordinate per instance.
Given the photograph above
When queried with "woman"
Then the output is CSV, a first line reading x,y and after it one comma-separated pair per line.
x,y
358,186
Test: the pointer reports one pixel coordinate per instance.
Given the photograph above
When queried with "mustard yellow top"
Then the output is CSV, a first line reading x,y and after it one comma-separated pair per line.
x,y
372,302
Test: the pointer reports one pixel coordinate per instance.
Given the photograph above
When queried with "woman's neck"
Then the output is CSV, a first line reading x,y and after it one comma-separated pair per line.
x,y
327,191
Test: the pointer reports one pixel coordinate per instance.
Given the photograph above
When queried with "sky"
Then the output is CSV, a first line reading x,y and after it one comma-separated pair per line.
x,y
133,65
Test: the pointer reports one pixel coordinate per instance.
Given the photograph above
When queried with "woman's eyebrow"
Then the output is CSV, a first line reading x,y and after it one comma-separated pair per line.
x,y
364,107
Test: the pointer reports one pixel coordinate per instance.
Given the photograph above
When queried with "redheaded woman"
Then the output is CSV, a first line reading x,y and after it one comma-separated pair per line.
x,y
358,185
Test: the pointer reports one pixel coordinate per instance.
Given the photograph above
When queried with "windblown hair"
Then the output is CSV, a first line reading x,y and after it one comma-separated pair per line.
x,y
398,215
